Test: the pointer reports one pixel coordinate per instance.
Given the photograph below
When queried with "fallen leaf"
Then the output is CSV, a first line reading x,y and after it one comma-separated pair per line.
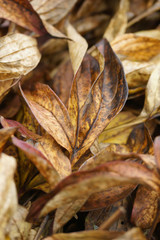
x,y
8,200
53,11
145,207
23,14
53,152
118,23
135,47
43,164
14,47
77,47
152,97
23,130
57,124
5,134
98,179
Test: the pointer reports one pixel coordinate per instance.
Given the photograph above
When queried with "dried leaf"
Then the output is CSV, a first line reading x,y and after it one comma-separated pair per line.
x,y
88,182
157,151
5,134
8,199
23,130
43,164
118,23
135,47
145,207
23,14
86,235
48,146
107,198
105,99
53,10
19,55
77,47
133,234
66,212
56,123
152,95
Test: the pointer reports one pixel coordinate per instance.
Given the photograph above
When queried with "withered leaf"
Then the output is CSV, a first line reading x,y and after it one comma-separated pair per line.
x,y
77,47
23,130
105,99
152,94
86,235
66,212
98,93
145,207
5,134
107,198
49,147
51,114
118,23
157,151
43,164
99,179
23,14
136,48
53,10
8,199
18,56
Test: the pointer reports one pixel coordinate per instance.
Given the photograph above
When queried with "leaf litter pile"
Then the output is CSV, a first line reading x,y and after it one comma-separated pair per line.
x,y
80,116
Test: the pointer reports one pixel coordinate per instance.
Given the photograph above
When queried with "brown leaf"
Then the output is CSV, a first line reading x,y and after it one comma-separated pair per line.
x,y
135,47
88,182
145,207
157,151
23,14
5,134
50,113
43,164
65,213
48,146
133,234
107,198
23,130
86,235
103,102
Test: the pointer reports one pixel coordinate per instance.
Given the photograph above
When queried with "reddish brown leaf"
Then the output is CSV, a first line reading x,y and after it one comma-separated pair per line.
x,y
23,130
43,164
88,182
145,207
23,14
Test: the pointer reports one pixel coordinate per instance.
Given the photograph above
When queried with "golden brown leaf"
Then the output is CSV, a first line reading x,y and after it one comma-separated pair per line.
x,y
48,146
105,99
135,47
51,114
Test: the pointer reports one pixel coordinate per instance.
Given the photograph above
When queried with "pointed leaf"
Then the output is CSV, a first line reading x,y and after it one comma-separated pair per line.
x,y
51,114
5,134
77,47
